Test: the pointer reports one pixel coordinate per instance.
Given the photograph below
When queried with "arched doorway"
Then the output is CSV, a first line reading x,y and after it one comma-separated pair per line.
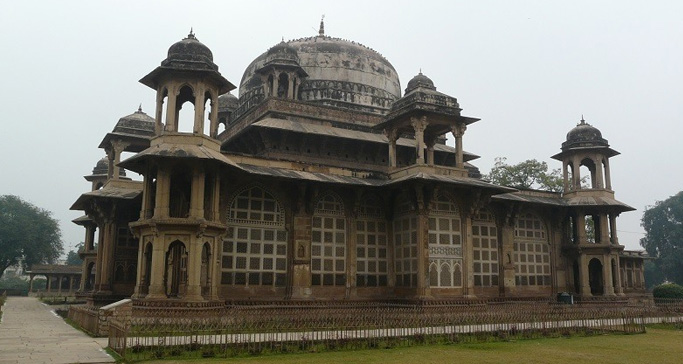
x,y
176,269
595,277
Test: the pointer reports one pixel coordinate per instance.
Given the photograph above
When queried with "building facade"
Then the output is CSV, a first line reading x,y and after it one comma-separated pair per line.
x,y
323,181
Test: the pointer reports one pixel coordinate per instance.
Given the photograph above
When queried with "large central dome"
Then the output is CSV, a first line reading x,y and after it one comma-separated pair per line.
x,y
339,72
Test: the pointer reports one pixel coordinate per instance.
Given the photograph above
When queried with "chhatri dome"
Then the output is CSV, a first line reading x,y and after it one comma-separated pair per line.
x,y
339,72
584,135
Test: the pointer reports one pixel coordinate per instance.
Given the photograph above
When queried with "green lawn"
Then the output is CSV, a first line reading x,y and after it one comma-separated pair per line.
x,y
656,346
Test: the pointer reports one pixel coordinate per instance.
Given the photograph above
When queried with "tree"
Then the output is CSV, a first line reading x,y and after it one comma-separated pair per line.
x,y
72,258
528,174
663,224
668,290
28,234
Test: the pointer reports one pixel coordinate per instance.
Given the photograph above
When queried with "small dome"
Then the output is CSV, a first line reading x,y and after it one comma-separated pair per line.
x,y
137,123
102,168
189,48
420,81
189,53
282,53
281,47
584,135
227,101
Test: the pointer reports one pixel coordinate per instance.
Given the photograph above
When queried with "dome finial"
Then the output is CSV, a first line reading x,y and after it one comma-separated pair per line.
x,y
321,32
582,121
191,35
140,108
420,70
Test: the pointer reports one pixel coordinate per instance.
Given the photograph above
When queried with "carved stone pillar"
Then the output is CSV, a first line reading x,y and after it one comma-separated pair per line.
x,y
106,251
619,289
458,132
117,147
198,127
419,126
598,173
213,118
392,135
158,115
430,142
193,291
613,229
607,275
583,276
163,191
171,121
581,228
276,84
156,279
604,229
290,89
608,178
577,174
146,210
197,193
141,269
110,162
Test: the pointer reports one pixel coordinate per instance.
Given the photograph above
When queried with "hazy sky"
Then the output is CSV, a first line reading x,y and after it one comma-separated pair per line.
x,y
528,69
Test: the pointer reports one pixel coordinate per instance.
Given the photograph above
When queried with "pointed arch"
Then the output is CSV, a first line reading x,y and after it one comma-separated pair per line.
x,y
444,204
175,274
255,245
329,203
254,204
186,93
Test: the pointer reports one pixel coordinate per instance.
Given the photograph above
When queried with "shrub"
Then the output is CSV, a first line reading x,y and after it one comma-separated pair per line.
x,y
668,290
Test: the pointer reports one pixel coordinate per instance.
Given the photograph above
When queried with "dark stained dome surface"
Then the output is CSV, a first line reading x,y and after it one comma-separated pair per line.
x,y
420,80
584,135
102,168
190,50
137,123
227,101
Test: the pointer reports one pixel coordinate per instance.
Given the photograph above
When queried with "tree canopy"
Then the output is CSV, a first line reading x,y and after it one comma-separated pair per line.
x,y
72,258
528,174
663,224
28,234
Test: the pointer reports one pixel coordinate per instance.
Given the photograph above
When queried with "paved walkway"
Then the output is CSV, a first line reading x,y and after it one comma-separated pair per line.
x,y
30,332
